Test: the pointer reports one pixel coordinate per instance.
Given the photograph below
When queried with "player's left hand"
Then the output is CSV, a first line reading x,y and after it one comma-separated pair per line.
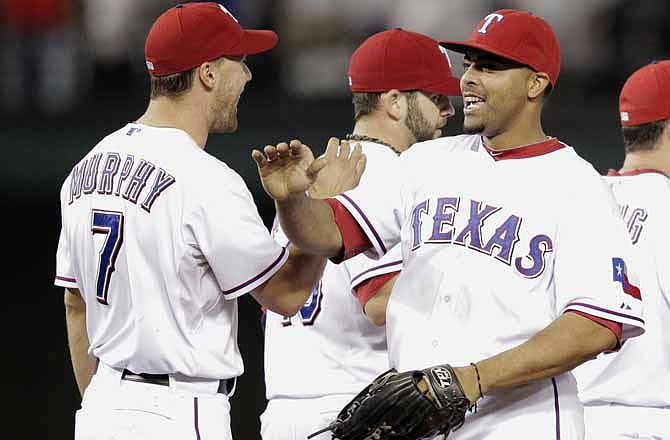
x,y
289,169
409,405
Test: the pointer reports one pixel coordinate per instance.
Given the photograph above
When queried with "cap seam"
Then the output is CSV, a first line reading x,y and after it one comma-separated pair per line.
x,y
386,49
181,24
659,81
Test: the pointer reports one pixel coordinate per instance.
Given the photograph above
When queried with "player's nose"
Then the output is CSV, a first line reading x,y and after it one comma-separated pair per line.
x,y
247,72
447,109
469,77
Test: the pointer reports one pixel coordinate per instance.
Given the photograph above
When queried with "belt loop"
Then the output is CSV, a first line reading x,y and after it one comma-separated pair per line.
x,y
194,385
108,374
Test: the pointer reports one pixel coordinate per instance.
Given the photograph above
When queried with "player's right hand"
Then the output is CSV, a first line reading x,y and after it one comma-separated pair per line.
x,y
290,169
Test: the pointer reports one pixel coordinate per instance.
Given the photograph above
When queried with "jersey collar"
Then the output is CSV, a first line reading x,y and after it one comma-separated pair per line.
x,y
533,150
637,172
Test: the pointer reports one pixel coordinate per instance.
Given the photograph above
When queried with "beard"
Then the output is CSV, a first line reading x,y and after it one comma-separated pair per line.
x,y
226,118
416,123
225,114
226,123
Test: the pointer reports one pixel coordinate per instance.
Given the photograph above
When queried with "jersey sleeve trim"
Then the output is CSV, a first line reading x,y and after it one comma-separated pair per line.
x,y
393,266
259,279
354,239
64,281
614,327
632,325
369,288
364,223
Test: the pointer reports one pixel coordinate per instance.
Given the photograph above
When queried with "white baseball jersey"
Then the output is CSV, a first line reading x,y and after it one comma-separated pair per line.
x,y
496,247
639,374
160,238
330,347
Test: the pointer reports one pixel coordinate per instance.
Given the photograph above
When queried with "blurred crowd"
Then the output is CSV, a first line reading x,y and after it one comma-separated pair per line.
x,y
54,52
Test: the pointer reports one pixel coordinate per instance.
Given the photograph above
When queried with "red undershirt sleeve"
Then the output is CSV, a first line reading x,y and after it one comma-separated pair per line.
x,y
369,288
354,240
615,327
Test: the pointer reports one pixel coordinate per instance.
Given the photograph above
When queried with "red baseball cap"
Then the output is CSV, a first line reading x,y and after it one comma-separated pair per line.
x,y
190,34
518,36
645,97
403,60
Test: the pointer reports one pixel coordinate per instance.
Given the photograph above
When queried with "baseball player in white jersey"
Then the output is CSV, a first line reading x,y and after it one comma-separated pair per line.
x,y
627,395
318,359
158,238
510,270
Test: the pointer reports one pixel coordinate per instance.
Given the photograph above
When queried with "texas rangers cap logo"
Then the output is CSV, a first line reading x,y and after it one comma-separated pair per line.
x,y
488,20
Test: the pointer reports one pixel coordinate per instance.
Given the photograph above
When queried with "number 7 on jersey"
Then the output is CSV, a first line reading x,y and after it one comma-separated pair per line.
x,y
109,223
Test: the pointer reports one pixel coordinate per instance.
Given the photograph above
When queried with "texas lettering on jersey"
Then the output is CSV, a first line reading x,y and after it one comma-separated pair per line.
x,y
105,175
442,214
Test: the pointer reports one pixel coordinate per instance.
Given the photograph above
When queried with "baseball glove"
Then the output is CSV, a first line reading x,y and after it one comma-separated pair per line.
x,y
402,406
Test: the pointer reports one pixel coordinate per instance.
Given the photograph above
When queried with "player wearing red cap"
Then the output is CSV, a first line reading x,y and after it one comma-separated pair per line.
x,y
510,270
627,395
318,359
159,238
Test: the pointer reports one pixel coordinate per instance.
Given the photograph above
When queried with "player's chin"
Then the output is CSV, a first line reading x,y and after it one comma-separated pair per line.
x,y
472,126
228,126
427,135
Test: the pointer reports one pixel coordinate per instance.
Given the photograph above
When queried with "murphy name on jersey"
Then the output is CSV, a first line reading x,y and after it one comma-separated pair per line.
x,y
104,173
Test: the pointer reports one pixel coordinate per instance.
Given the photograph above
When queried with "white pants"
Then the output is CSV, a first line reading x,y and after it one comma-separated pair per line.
x,y
295,419
125,410
543,410
621,422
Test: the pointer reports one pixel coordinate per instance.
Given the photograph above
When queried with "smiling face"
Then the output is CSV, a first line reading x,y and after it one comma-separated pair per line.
x,y
427,114
495,93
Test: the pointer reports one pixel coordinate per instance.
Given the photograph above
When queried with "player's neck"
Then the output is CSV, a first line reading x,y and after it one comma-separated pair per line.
x,y
385,131
527,130
165,112
657,159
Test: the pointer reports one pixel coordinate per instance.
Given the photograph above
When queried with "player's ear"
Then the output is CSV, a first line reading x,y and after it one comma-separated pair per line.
x,y
666,133
537,84
206,74
392,104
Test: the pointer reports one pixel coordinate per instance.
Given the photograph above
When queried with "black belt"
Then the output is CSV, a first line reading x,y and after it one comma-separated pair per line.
x,y
226,386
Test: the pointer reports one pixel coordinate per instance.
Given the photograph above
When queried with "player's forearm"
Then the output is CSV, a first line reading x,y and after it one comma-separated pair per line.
x,y
75,317
375,308
567,342
310,224
288,289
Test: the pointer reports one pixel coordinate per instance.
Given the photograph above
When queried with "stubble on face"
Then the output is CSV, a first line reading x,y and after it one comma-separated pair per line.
x,y
225,111
416,122
227,99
